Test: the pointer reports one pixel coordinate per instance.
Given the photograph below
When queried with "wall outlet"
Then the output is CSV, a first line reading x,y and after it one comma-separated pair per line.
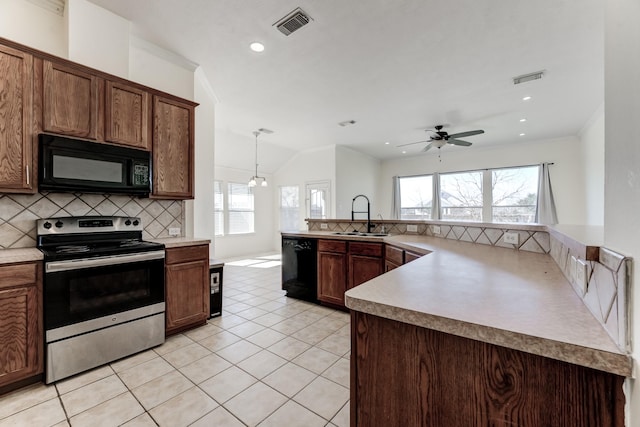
x,y
412,228
174,231
511,238
436,229
324,226
581,275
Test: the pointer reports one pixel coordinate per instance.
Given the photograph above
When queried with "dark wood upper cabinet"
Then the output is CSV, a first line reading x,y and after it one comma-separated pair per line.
x,y
173,149
16,163
127,115
71,101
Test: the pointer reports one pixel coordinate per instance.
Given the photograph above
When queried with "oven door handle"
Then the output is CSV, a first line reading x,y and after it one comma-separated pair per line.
x,y
76,264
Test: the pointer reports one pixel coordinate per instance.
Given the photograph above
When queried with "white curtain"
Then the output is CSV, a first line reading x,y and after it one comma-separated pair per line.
x,y
546,207
435,200
395,194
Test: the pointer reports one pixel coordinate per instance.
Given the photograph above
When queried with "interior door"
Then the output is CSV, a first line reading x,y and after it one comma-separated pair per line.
x,y
318,200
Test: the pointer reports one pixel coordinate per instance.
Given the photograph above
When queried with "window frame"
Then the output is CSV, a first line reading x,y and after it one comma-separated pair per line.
x,y
487,206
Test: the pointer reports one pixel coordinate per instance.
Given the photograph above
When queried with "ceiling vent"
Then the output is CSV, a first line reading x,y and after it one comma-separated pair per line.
x,y
528,77
292,22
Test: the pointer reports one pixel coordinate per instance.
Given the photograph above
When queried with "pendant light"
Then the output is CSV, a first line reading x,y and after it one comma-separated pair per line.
x,y
254,179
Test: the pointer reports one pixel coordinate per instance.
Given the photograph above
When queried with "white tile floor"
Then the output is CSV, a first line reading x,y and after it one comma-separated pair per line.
x,y
268,360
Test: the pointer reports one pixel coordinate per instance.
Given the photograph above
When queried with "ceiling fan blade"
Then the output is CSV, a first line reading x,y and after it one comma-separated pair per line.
x,y
463,134
427,147
458,142
411,143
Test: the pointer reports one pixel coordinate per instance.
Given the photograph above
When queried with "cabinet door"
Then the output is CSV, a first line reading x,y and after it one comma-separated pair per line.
x,y
21,336
363,268
332,277
389,265
16,166
172,149
187,294
410,256
71,101
127,111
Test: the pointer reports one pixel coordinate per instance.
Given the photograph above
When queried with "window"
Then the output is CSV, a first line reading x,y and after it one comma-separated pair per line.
x,y
515,192
493,195
218,208
240,208
416,197
461,196
289,208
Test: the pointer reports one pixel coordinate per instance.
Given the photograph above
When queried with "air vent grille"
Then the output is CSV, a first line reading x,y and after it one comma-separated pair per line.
x,y
292,22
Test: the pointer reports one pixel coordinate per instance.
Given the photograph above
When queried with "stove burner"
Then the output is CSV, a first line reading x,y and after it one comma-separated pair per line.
x,y
72,249
129,243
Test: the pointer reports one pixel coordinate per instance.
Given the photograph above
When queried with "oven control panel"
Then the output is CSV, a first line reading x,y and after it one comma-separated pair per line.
x,y
84,224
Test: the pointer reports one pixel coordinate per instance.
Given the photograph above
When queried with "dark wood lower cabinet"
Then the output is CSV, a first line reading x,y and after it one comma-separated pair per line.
x,y
404,375
186,287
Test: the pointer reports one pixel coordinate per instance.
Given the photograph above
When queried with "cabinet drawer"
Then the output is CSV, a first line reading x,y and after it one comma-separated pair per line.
x,y
338,246
395,255
17,275
368,249
187,253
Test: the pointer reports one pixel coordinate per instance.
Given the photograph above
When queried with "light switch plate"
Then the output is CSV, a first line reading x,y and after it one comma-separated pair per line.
x,y
174,231
412,228
324,226
436,229
511,238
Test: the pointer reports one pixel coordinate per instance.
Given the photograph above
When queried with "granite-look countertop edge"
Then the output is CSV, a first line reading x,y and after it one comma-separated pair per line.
x,y
11,256
616,363
178,242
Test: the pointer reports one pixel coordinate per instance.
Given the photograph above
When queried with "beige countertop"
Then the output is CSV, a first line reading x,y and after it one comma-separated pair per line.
x,y
10,256
511,298
177,242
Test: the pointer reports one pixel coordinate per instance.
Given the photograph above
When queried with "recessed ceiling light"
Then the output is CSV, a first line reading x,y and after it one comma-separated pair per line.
x,y
387,143
404,152
256,47
523,120
526,98
522,134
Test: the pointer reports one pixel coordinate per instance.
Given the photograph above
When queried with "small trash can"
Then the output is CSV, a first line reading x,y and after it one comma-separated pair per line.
x,y
215,281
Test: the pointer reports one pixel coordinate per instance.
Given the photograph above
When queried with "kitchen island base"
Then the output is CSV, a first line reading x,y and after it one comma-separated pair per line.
x,y
406,375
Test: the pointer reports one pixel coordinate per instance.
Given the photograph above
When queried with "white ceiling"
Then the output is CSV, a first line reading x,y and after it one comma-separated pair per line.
x,y
395,67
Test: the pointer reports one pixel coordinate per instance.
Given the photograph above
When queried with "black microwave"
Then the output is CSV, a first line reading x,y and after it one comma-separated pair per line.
x,y
74,165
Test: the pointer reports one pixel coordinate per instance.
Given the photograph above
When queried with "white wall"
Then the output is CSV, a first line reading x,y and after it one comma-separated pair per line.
x,y
157,68
261,241
201,208
622,158
33,26
97,38
592,156
566,172
356,173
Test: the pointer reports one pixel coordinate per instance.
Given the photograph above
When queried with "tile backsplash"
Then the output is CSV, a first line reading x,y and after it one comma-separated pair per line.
x,y
19,212
531,239
607,292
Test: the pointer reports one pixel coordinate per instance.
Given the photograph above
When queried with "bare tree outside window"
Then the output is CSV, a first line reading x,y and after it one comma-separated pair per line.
x,y
461,196
515,193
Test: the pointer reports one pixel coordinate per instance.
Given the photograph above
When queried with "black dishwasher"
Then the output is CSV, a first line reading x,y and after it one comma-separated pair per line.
x,y
299,267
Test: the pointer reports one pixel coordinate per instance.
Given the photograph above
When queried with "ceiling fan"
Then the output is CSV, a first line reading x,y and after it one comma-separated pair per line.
x,y
441,138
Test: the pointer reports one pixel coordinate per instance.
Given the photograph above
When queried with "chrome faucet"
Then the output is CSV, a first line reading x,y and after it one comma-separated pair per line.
x,y
370,226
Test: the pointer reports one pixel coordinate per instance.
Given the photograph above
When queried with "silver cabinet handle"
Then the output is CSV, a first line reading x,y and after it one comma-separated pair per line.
x,y
28,176
76,264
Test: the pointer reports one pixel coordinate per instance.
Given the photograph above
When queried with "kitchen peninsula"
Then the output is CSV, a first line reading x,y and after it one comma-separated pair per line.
x,y
472,334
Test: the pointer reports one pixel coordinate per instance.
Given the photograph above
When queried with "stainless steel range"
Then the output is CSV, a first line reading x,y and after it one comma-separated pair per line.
x,y
103,292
